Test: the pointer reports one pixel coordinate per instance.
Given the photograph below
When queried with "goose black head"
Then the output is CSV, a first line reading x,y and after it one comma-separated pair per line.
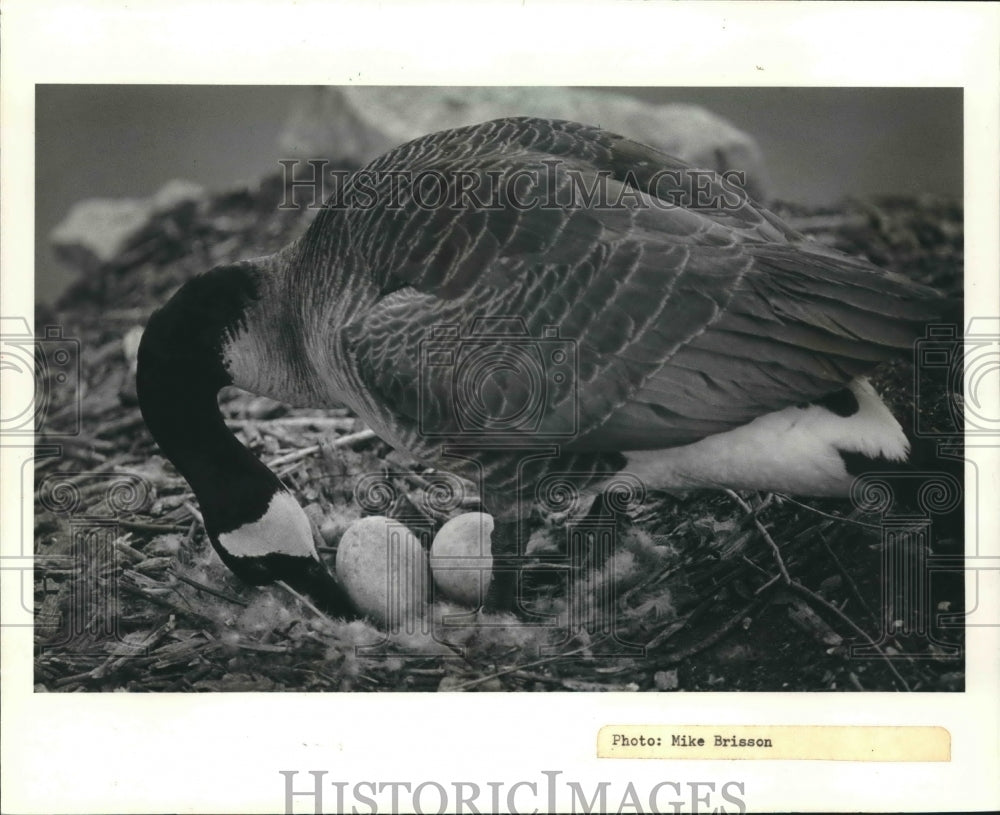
x,y
253,522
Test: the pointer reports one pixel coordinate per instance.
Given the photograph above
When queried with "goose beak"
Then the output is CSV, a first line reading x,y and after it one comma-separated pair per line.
x,y
314,581
279,546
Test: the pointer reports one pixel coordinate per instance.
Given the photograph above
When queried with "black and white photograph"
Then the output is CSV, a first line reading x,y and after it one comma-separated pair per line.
x,y
505,402
660,409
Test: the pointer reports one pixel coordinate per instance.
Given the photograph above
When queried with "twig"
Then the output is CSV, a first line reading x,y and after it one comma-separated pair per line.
x,y
140,526
165,603
69,680
680,656
209,590
847,519
119,657
349,440
304,600
294,456
326,422
537,677
763,531
767,585
87,443
129,422
815,598
263,648
696,612
545,660
194,511
848,579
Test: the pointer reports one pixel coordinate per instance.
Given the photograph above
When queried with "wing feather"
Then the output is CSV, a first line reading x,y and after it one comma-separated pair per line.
x,y
681,321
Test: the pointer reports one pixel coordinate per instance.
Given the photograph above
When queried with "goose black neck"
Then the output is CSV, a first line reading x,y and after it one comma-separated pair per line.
x,y
180,371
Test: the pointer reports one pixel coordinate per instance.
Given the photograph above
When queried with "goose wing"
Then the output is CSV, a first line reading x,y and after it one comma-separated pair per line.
x,y
679,318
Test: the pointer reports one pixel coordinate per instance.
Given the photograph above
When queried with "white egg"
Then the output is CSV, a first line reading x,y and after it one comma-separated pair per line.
x,y
383,568
462,558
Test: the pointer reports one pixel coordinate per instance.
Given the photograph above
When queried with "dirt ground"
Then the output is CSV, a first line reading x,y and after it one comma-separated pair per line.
x,y
709,592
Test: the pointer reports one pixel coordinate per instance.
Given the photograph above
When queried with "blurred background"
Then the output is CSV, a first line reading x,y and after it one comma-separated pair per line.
x,y
818,145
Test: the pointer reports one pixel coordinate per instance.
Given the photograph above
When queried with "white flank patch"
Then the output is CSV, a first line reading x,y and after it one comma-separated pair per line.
x,y
283,530
795,450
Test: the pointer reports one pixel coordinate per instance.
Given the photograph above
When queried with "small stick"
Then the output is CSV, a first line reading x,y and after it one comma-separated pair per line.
x,y
332,422
684,654
304,600
263,647
85,442
767,585
847,578
473,682
350,440
140,526
194,511
209,590
763,531
695,613
165,603
842,518
118,425
815,598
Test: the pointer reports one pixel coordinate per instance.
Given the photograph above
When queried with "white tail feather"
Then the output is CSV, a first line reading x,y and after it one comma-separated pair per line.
x,y
795,450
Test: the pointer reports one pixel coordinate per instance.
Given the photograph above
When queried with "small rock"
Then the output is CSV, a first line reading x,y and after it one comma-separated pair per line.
x,y
666,680
263,407
130,348
384,571
733,653
450,684
462,558
830,584
952,681
99,229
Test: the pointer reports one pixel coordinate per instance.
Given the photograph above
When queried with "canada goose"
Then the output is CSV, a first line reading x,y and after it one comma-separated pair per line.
x,y
679,331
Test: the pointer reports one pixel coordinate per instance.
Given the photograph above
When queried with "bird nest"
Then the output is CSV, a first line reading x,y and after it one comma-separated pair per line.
x,y
709,591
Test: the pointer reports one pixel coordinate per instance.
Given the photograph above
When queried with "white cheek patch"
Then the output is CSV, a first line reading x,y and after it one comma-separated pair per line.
x,y
283,530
